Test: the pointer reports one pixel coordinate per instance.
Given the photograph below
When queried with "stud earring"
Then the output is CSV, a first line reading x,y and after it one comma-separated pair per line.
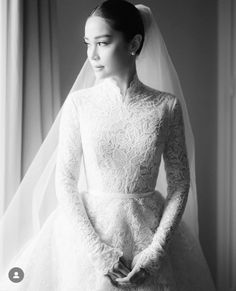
x,y
132,53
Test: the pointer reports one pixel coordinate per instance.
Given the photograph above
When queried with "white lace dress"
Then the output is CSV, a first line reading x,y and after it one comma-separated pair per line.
x,y
121,214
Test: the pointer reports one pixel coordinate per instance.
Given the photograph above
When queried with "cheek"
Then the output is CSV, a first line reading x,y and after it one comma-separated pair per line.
x,y
117,56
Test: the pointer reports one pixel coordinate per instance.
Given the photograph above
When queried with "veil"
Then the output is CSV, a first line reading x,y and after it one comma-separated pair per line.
x,y
35,199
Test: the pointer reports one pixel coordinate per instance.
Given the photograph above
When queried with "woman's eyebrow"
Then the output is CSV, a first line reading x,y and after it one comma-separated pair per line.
x,y
100,36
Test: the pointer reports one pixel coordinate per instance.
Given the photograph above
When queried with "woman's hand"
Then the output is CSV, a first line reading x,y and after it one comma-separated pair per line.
x,y
120,270
136,277
150,259
122,276
128,278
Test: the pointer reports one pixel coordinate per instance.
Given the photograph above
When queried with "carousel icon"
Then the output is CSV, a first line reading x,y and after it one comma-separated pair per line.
x,y
16,275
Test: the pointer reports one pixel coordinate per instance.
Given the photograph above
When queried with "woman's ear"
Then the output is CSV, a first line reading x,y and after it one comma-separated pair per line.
x,y
135,44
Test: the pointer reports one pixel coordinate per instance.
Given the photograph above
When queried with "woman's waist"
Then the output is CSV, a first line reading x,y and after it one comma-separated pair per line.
x,y
120,195
118,209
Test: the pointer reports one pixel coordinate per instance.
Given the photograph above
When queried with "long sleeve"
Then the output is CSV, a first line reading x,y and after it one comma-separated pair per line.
x,y
178,182
69,157
178,176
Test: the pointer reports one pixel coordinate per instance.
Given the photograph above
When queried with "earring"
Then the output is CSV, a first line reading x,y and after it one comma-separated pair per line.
x,y
132,53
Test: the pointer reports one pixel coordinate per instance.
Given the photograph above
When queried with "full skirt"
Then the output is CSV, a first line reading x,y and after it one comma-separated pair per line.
x,y
52,261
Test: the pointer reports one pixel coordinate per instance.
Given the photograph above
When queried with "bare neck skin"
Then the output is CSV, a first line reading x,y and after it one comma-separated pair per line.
x,y
123,80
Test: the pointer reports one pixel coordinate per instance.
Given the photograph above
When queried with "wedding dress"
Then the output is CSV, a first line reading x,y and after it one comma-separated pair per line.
x,y
69,242
121,139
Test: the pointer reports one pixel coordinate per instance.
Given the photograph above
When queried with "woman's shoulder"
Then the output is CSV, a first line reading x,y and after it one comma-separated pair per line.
x,y
160,95
80,95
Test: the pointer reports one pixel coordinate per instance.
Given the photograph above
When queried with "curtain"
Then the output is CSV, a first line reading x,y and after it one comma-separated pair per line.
x,y
226,162
29,86
41,75
11,56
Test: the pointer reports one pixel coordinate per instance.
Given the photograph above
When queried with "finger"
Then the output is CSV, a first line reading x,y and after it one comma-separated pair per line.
x,y
133,276
113,282
113,274
121,269
124,268
128,281
123,285
123,280
128,276
136,284
124,263
118,273
127,285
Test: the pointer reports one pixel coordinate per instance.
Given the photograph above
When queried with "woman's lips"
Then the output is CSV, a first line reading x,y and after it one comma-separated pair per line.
x,y
98,68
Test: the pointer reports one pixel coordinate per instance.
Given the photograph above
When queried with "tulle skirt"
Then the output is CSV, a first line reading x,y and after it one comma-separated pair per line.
x,y
52,261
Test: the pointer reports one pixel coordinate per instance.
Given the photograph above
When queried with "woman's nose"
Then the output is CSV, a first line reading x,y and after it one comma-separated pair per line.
x,y
93,53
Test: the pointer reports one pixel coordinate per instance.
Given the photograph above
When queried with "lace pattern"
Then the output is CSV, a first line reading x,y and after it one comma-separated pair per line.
x,y
122,139
66,178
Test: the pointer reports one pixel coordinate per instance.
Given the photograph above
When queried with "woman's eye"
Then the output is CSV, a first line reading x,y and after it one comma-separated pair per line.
x,y
102,43
86,43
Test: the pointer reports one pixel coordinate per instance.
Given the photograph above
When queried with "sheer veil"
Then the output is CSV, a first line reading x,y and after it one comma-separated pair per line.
x,y
35,199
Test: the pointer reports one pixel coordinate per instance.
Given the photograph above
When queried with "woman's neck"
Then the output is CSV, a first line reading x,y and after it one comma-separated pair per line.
x,y
123,81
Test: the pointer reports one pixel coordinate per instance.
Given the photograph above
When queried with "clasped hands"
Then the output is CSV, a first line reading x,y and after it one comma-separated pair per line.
x,y
122,276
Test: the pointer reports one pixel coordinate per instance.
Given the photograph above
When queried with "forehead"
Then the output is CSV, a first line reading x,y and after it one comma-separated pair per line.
x,y
96,26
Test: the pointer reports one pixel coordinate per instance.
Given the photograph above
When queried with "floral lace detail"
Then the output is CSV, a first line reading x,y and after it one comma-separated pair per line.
x,y
127,138
178,179
66,178
133,87
122,141
149,259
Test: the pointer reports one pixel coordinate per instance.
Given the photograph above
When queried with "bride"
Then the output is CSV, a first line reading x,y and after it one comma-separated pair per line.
x,y
121,157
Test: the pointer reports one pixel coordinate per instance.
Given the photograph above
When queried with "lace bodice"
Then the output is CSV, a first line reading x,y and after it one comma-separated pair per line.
x,y
121,139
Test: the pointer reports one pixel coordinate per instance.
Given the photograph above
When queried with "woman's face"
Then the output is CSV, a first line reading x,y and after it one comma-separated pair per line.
x,y
107,50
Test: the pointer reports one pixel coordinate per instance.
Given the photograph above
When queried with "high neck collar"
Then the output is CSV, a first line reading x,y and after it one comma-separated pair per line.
x,y
112,85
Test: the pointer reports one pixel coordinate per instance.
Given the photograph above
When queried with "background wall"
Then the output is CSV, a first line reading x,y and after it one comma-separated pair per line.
x,y
189,28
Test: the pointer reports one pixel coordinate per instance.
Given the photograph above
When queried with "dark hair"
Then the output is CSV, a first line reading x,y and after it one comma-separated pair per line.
x,y
123,16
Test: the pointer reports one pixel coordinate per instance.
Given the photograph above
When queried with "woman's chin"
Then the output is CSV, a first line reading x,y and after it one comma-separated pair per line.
x,y
100,75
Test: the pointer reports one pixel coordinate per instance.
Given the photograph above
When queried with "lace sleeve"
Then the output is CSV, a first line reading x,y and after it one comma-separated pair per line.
x,y
177,175
69,156
178,181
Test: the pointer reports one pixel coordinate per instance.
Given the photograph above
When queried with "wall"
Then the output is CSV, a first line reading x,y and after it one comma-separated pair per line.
x,y
189,28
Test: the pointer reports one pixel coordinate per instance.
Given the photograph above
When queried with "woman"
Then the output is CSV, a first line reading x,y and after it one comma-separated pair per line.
x,y
121,233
